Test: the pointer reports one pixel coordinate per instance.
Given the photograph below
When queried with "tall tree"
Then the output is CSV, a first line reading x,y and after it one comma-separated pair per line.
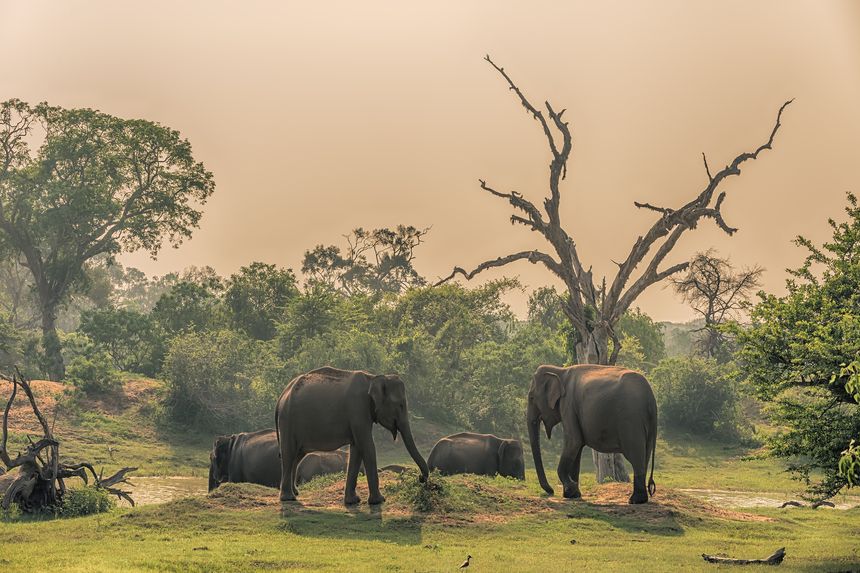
x,y
594,308
374,261
257,298
801,353
95,185
717,292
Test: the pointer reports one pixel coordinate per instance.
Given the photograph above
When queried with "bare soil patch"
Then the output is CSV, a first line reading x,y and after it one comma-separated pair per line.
x,y
666,504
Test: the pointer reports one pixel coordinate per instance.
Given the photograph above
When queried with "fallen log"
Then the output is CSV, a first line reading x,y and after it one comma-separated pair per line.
x,y
774,559
791,503
36,485
821,503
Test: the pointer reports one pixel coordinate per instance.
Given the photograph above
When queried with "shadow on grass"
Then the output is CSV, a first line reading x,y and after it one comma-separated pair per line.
x,y
652,518
361,523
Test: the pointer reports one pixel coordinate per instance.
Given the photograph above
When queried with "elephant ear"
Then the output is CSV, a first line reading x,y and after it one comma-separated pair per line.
x,y
502,449
377,391
554,389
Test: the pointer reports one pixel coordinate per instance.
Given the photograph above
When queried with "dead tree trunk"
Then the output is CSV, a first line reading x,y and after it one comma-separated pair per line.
x,y
594,309
34,480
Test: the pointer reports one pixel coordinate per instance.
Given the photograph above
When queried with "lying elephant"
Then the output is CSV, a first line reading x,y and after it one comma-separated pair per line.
x,y
320,463
250,457
608,408
483,454
328,408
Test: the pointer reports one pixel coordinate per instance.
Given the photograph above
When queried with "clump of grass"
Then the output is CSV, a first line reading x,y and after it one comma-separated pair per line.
x,y
322,481
86,501
241,495
432,495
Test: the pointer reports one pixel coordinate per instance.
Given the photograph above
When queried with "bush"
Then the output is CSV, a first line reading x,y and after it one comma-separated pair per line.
x,y
87,366
221,380
698,396
86,501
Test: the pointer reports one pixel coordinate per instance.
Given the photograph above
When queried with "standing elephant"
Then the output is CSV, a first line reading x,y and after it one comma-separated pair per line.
x,y
483,454
328,408
608,408
319,464
250,457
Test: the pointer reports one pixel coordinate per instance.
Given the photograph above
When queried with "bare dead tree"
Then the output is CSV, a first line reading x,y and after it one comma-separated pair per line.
x,y
717,292
35,479
594,308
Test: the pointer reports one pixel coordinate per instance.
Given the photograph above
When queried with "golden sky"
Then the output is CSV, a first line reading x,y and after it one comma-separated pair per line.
x,y
317,117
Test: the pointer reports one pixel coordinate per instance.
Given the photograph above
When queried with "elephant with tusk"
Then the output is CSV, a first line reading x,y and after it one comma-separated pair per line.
x,y
609,408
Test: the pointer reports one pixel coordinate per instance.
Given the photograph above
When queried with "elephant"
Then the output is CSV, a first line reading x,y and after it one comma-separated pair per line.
x,y
327,408
483,454
319,464
609,408
247,457
394,468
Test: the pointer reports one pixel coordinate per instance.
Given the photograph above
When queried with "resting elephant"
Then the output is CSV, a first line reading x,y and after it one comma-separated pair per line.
x,y
247,457
608,408
319,464
328,408
483,454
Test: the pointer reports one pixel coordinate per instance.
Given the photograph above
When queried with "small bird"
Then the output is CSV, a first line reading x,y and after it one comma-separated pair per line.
x,y
466,562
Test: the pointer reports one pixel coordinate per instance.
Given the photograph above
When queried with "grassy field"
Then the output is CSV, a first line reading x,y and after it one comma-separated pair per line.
x,y
504,525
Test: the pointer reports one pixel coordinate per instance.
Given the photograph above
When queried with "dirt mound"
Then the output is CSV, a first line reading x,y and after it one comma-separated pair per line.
x,y
665,505
242,496
21,418
133,393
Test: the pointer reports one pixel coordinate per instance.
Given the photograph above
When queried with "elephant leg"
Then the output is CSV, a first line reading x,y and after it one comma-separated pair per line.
x,y
568,468
288,456
637,456
293,472
368,454
353,464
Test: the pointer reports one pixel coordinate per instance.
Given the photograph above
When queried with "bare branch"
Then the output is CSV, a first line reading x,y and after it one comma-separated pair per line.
x,y
664,210
533,257
526,104
707,169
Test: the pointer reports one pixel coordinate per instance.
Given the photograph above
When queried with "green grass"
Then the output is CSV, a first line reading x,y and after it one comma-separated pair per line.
x,y
243,528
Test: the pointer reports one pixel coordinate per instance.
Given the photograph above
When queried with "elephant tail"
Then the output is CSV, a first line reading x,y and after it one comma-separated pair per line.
x,y
652,485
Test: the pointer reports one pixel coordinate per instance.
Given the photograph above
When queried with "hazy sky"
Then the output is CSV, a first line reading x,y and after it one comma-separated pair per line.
x,y
317,117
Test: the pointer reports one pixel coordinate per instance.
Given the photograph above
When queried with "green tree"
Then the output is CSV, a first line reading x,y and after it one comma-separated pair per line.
x,y
94,185
190,304
375,261
796,347
257,297
133,340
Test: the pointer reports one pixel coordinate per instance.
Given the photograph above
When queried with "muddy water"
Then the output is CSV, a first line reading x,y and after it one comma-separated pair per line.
x,y
150,490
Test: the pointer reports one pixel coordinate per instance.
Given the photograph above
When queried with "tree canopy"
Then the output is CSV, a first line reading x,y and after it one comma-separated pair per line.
x,y
94,185
796,350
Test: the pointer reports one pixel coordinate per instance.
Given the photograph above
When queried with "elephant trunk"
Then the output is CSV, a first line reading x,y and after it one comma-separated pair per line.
x,y
534,440
406,432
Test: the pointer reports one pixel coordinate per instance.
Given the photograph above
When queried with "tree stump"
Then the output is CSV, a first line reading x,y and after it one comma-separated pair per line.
x,y
610,467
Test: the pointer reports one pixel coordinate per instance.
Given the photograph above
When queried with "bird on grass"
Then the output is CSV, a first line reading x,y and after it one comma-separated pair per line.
x,y
466,562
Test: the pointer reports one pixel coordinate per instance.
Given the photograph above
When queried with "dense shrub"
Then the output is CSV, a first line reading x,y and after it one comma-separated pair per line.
x,y
88,367
698,396
86,501
221,380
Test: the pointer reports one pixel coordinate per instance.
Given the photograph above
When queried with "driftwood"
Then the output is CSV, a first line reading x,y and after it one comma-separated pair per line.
x,y
791,503
774,559
814,505
34,480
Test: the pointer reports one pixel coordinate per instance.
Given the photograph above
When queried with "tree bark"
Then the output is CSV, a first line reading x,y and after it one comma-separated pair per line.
x,y
51,343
